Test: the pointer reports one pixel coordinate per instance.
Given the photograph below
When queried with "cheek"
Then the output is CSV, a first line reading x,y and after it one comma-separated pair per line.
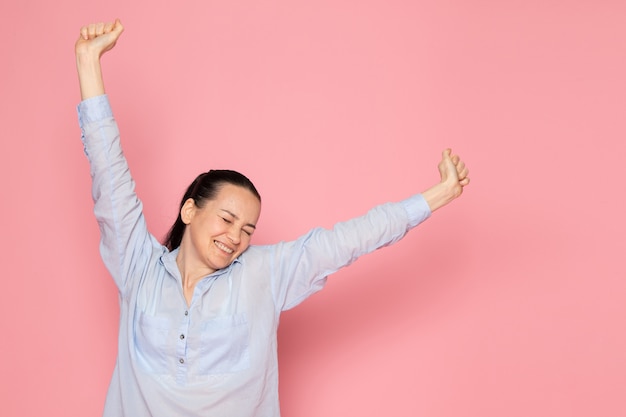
x,y
245,242
214,227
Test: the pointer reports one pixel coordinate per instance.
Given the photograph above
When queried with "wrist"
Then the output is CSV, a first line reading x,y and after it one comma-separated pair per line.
x,y
441,194
89,75
86,58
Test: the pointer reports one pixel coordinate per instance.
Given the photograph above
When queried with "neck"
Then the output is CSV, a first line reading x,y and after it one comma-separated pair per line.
x,y
190,272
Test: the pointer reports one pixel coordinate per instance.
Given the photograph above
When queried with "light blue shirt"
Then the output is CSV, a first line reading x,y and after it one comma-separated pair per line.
x,y
216,357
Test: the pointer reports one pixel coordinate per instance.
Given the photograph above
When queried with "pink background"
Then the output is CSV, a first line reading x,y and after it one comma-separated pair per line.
x,y
510,302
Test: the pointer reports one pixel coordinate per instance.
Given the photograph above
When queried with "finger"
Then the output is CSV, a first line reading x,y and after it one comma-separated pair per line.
x,y
464,181
460,165
463,173
91,31
108,27
84,33
118,25
99,28
455,159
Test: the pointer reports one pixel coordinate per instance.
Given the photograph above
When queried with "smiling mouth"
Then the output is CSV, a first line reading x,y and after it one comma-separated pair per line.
x,y
223,247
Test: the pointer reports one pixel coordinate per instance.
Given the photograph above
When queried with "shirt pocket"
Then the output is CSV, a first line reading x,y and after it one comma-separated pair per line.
x,y
153,343
223,345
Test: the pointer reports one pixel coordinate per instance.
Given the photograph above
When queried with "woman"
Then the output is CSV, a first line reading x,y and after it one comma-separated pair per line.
x,y
199,313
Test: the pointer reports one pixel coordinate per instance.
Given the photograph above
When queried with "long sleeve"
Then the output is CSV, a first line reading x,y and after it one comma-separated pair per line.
x,y
124,236
300,267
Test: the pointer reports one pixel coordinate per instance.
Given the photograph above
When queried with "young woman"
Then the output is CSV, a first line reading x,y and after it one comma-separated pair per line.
x,y
199,313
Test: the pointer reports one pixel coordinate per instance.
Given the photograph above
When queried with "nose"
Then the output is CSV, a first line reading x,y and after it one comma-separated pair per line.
x,y
233,235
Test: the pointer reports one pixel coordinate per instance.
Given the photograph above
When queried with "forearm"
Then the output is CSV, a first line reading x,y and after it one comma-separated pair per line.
x,y
441,194
89,75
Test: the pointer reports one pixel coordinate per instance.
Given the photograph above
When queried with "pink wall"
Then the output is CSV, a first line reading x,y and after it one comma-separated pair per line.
x,y
511,302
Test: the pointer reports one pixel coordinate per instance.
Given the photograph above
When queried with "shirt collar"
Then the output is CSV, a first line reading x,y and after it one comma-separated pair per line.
x,y
168,260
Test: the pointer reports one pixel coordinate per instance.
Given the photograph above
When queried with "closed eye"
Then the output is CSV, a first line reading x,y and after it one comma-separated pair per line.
x,y
250,227
228,221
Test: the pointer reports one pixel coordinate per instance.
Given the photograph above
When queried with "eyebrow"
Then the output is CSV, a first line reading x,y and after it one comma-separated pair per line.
x,y
237,217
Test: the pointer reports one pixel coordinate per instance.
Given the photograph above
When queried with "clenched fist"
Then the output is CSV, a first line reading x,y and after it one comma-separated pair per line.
x,y
97,38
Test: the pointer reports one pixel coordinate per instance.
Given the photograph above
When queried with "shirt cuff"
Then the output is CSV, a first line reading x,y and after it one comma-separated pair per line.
x,y
417,209
94,109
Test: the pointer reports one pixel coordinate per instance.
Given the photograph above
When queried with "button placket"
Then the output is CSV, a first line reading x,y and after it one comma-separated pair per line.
x,y
181,348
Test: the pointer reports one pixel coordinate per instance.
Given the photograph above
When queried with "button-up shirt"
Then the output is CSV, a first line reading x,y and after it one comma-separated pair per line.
x,y
216,356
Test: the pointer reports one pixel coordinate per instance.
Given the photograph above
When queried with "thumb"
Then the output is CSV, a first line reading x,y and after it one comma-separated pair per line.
x,y
447,168
117,26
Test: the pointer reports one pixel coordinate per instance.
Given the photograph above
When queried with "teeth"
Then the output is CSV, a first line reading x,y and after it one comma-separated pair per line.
x,y
223,247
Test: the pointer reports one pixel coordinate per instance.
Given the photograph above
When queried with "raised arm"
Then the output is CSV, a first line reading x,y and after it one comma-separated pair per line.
x,y
125,245
300,267
95,39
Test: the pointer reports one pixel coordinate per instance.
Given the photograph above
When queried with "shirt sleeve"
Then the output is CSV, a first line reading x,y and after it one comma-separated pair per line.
x,y
300,267
124,235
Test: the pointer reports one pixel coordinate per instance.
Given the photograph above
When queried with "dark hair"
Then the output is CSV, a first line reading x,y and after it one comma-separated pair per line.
x,y
204,188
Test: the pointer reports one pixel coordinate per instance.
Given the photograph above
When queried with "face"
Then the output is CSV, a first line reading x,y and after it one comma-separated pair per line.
x,y
220,231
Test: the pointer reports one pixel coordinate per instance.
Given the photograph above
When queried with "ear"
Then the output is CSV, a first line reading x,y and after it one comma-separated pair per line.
x,y
188,210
